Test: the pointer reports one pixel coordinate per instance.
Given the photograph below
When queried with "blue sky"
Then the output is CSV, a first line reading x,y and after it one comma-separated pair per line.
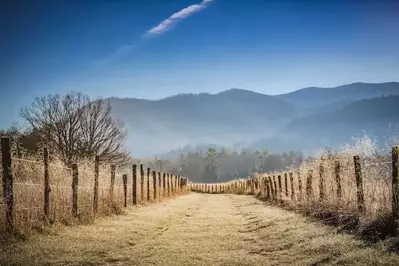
x,y
157,48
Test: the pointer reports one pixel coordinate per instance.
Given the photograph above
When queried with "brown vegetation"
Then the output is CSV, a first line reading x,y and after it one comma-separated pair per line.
x,y
358,193
29,200
198,229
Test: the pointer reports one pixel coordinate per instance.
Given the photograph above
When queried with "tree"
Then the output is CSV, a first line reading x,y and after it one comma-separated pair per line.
x,y
211,166
76,127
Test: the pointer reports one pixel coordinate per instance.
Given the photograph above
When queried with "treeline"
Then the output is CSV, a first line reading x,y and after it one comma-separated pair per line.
x,y
223,165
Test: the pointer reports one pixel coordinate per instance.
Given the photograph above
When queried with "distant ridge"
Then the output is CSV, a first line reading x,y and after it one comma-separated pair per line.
x,y
315,96
243,116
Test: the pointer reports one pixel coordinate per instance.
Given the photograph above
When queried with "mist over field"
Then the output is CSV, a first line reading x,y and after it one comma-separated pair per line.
x,y
301,121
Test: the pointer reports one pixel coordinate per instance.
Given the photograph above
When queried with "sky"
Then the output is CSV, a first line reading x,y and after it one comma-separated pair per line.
x,y
157,48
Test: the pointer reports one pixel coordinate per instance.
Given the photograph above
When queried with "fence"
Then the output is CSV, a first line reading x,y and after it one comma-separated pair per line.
x,y
38,191
365,187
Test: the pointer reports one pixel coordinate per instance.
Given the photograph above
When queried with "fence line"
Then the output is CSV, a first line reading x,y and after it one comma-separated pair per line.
x,y
97,191
344,184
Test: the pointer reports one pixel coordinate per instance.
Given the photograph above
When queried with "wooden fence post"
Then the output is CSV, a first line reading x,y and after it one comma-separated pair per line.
x,y
8,188
271,188
395,182
168,183
275,188
46,184
181,183
142,183
164,184
321,181
172,184
148,184
159,184
280,188
96,173
286,184
177,183
338,178
75,183
111,189
359,184
257,185
267,185
309,185
125,189
134,189
299,185
154,184
292,186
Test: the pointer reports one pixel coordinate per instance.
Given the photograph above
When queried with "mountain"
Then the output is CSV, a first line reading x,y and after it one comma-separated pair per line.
x,y
377,116
316,100
223,119
302,120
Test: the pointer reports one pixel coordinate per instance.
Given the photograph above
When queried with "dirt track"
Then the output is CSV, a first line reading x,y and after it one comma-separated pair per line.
x,y
197,229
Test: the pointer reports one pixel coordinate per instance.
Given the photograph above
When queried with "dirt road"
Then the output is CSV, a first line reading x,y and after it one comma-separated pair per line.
x,y
197,229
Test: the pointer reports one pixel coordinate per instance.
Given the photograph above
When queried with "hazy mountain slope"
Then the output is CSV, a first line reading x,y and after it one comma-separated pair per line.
x,y
304,119
315,100
223,118
378,117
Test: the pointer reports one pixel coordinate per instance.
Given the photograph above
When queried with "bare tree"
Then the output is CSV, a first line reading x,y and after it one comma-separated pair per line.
x,y
102,134
76,127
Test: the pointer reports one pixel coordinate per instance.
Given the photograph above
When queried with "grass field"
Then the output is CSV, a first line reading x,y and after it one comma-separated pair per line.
x,y
198,229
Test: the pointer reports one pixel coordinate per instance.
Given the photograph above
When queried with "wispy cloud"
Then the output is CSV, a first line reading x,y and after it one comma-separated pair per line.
x,y
118,54
166,25
161,28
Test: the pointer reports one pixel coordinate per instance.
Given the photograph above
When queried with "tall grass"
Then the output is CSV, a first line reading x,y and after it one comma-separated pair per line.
x,y
28,178
376,170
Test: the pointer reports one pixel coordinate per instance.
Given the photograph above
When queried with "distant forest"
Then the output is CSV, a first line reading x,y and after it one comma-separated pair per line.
x,y
223,165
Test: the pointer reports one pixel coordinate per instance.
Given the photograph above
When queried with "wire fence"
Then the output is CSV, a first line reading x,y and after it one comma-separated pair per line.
x,y
362,186
95,191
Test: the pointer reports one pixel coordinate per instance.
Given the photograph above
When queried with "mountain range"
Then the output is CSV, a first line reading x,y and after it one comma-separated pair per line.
x,y
305,119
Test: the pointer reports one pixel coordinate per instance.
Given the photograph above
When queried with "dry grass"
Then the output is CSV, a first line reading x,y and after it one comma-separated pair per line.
x,y
198,229
28,176
374,224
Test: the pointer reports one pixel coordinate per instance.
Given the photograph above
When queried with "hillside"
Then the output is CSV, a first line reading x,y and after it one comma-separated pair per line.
x,y
224,118
377,117
236,118
314,99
